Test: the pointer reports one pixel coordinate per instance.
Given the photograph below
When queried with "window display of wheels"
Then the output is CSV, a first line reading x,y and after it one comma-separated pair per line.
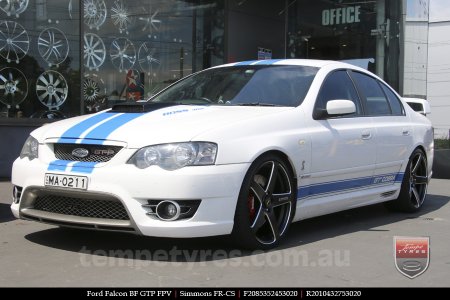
x,y
94,51
147,59
53,46
13,87
94,13
52,89
123,54
13,7
14,41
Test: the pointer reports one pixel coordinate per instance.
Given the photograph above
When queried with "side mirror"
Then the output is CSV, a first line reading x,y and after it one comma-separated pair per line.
x,y
337,108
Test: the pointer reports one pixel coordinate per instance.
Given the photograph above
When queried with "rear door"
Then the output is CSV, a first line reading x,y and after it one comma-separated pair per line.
x,y
393,132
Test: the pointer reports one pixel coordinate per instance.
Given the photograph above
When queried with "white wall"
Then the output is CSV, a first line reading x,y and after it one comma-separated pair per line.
x,y
439,77
416,59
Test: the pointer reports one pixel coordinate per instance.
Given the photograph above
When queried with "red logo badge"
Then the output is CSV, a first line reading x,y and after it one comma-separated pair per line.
x,y
412,255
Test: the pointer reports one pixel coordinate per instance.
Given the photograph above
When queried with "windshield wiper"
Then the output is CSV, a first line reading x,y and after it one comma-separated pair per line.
x,y
256,104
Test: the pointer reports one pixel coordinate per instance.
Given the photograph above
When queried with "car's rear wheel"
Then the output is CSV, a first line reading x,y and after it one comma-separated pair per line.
x,y
266,204
414,185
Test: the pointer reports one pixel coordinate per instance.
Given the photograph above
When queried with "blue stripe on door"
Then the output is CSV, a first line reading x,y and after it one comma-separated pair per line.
x,y
349,184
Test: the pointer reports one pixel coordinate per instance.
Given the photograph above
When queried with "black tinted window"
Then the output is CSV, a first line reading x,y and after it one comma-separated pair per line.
x,y
338,86
396,105
376,102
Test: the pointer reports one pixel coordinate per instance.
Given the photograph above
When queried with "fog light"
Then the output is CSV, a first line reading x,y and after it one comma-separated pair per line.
x,y
168,210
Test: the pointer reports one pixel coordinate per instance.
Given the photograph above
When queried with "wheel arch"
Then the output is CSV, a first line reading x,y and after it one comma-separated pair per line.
x,y
414,148
421,147
287,160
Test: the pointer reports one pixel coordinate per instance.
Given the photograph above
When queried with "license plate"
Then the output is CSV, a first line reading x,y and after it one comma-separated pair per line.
x,y
66,181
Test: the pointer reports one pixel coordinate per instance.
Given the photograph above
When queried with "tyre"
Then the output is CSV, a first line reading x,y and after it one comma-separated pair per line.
x,y
414,185
266,204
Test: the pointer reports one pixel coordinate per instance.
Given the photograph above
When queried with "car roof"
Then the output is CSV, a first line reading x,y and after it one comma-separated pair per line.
x,y
294,62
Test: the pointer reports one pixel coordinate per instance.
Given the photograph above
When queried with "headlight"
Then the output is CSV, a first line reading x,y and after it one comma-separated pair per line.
x,y
30,149
176,156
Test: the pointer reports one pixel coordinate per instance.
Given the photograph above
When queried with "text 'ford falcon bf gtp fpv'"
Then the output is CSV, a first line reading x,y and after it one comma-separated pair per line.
x,y
242,149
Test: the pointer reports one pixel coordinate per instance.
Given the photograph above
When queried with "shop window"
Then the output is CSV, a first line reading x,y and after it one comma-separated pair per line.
x,y
65,58
39,59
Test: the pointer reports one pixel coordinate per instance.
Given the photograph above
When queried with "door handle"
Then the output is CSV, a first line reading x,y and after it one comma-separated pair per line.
x,y
405,132
366,135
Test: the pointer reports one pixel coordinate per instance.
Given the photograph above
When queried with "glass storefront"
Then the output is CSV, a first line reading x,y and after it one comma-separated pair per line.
x,y
39,59
365,33
65,58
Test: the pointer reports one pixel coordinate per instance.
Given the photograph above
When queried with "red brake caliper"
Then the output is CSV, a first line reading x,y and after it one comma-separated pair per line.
x,y
251,206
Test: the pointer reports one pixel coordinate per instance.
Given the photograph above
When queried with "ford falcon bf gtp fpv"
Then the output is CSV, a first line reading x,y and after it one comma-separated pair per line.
x,y
242,149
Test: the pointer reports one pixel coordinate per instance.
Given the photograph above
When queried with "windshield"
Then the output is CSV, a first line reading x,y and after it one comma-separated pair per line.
x,y
243,85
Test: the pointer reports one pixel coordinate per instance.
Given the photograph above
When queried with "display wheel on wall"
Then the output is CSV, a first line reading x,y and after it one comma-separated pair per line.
x,y
53,46
94,93
52,89
151,23
93,88
120,16
123,54
13,87
94,13
13,7
147,60
14,41
70,8
94,51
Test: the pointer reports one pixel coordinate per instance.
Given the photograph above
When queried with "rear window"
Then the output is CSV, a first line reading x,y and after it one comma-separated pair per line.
x,y
396,105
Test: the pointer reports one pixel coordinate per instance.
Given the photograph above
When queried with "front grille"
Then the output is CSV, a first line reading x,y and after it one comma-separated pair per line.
x,y
96,153
102,209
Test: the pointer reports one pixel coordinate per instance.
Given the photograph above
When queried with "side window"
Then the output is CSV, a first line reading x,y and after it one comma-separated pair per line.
x,y
338,86
396,105
375,99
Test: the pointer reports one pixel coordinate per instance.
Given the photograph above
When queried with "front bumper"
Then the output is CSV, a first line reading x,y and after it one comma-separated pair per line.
x,y
216,186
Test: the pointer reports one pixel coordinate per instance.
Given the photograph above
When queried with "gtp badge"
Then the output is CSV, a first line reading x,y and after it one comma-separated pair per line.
x,y
412,255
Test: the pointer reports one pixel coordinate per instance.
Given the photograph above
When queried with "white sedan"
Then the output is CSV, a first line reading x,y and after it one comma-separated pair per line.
x,y
242,149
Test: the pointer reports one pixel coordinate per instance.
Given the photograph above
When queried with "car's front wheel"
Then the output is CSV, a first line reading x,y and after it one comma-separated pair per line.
x,y
266,204
414,185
